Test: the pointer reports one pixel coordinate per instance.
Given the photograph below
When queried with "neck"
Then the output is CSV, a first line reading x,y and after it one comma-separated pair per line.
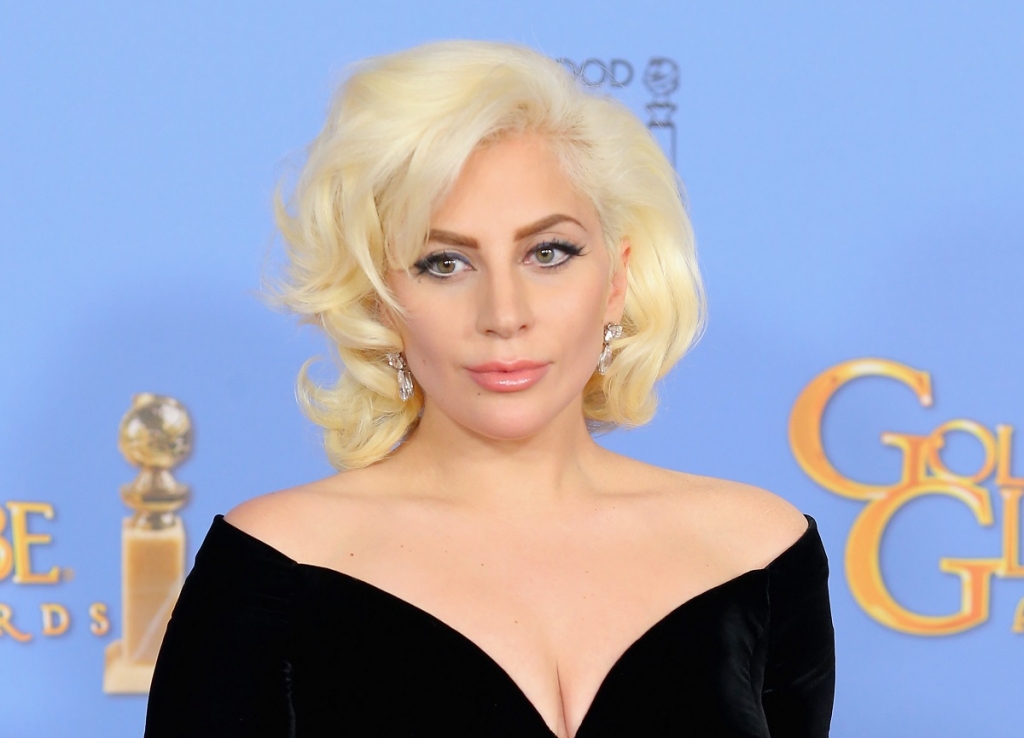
x,y
547,469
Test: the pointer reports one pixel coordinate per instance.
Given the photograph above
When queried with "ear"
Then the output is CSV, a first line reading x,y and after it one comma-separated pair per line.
x,y
617,294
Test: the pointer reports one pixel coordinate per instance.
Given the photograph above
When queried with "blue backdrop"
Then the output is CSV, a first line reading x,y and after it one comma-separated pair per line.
x,y
854,172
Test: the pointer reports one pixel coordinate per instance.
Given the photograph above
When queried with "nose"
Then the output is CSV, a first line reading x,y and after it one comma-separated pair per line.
x,y
503,303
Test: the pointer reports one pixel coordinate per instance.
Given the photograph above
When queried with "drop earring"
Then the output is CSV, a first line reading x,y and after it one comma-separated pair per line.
x,y
611,332
397,361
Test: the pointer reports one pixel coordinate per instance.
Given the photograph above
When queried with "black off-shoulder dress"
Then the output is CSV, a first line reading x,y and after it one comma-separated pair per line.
x,y
259,645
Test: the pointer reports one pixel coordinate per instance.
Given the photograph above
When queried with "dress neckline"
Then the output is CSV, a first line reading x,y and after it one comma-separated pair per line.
x,y
809,533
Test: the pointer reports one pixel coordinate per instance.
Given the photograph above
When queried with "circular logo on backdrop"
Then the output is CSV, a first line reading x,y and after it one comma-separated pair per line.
x,y
661,77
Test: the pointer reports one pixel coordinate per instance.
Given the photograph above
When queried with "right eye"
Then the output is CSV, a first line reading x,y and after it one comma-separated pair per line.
x,y
441,265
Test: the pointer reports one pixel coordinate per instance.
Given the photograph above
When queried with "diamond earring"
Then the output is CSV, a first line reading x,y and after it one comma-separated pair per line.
x,y
397,361
611,332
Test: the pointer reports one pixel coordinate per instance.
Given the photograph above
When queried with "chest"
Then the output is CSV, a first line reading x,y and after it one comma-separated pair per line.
x,y
360,656
555,613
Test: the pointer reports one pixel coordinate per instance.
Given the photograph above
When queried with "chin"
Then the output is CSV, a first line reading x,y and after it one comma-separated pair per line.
x,y
510,423
506,430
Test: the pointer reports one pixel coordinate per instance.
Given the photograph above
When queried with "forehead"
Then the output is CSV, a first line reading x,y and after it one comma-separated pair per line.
x,y
510,182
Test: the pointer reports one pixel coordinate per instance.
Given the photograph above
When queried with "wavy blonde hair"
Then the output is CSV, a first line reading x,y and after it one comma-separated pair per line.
x,y
398,133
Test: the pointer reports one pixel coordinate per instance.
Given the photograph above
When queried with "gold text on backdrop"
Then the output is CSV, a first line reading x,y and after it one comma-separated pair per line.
x,y
923,473
16,555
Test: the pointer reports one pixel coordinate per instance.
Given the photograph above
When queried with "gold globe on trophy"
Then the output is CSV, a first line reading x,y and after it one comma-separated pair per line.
x,y
156,436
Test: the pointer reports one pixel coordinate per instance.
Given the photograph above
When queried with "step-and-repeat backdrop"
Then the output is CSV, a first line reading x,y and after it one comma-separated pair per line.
x,y
855,174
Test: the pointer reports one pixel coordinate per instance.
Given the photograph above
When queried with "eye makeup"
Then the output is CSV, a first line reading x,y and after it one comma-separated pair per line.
x,y
444,264
569,249
430,264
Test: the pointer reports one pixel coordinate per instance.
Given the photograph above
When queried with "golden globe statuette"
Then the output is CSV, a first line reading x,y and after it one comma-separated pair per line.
x,y
156,436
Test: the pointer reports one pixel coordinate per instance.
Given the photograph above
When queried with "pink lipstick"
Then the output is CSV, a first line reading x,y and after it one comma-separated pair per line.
x,y
510,376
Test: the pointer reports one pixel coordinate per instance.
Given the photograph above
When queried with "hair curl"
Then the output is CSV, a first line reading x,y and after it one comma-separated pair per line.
x,y
398,133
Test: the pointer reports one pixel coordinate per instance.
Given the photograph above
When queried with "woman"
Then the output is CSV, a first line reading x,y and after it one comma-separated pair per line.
x,y
505,266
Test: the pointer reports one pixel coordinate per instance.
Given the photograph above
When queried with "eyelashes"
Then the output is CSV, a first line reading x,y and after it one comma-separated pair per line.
x,y
441,264
570,251
549,255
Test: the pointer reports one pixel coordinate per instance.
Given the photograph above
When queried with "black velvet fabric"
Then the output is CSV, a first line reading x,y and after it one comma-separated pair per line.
x,y
259,645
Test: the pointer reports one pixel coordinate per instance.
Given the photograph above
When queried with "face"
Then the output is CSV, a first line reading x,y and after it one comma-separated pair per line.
x,y
508,299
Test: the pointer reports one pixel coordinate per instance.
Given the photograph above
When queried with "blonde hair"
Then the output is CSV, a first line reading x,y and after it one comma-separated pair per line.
x,y
398,133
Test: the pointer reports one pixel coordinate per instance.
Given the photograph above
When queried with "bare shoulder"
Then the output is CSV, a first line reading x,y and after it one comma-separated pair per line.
x,y
752,525
295,520
745,524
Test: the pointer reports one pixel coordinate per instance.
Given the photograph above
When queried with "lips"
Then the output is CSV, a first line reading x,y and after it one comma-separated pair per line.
x,y
508,376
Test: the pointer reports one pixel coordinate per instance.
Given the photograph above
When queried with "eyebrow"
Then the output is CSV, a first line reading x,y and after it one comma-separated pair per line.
x,y
456,239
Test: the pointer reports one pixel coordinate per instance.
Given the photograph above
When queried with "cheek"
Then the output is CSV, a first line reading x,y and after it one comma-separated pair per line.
x,y
417,326
578,317
431,336
587,302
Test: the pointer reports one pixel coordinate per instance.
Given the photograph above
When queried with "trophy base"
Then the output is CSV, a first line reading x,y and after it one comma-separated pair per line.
x,y
121,676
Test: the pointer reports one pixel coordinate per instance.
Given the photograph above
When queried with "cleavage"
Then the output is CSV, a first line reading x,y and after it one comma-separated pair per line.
x,y
406,617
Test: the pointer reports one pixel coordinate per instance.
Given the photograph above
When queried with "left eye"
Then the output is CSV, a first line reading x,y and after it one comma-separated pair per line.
x,y
553,254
